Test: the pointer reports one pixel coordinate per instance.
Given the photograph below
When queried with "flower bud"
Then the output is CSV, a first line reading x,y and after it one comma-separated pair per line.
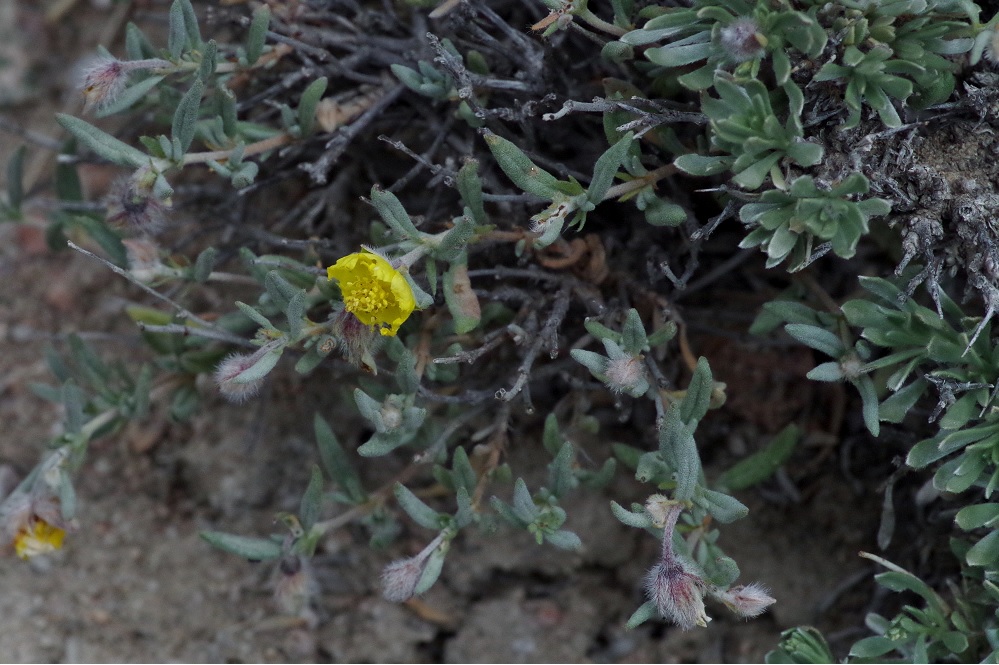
x,y
103,80
664,512
674,584
992,47
295,586
143,259
742,40
677,592
240,376
851,366
227,377
132,204
356,340
391,413
399,579
626,374
749,600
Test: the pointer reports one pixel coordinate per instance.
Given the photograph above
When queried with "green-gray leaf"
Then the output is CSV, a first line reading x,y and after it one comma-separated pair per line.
x,y
102,143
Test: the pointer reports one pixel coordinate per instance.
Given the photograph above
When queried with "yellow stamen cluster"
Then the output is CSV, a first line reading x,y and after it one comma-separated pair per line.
x,y
373,291
38,537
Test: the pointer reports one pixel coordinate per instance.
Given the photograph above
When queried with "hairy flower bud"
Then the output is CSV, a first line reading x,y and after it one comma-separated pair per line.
x,y
295,587
143,259
992,47
227,375
103,79
851,366
357,341
240,375
626,374
678,593
391,413
131,204
399,578
664,513
742,40
674,585
749,600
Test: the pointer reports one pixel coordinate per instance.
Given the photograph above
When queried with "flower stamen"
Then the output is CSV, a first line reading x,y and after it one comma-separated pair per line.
x,y
38,537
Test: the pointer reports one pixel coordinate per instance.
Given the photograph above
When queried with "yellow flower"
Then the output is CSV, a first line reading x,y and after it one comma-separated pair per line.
x,y
38,537
373,291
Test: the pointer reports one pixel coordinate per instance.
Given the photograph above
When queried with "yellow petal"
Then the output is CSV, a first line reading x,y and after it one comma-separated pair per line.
x,y
373,290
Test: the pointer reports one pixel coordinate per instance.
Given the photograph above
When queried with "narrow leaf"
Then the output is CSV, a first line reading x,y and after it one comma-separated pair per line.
x,y
762,464
461,300
191,24
702,165
564,540
130,96
209,60
420,512
523,503
257,33
698,398
177,35
606,168
102,143
816,338
869,399
642,614
391,210
336,461
520,169
254,549
723,507
470,188
312,499
432,570
308,103
185,118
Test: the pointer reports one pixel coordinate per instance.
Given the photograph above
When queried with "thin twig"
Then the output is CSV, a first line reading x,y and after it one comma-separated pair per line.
x,y
467,397
659,115
715,274
547,333
489,342
179,329
183,311
319,169
41,140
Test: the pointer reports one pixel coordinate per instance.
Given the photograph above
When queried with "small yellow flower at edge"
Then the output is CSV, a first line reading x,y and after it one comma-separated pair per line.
x,y
373,291
38,537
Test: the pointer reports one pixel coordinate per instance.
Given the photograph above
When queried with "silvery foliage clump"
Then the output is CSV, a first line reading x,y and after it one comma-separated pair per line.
x,y
761,91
